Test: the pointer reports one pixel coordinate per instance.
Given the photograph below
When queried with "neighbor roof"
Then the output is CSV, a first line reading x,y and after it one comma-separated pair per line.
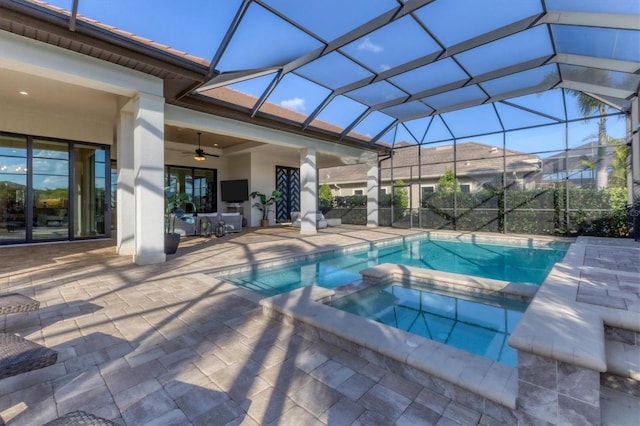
x,y
472,158
415,70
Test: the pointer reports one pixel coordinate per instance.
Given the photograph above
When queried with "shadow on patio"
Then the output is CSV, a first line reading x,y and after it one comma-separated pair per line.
x,y
169,344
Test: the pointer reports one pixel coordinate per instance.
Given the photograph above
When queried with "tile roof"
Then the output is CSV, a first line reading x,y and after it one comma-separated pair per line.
x,y
237,98
473,158
126,34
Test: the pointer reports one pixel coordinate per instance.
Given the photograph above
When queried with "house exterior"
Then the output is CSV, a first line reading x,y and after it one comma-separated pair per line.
x,y
96,122
476,165
578,166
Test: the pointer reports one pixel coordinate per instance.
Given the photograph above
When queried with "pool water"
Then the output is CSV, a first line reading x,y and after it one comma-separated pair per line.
x,y
478,324
520,264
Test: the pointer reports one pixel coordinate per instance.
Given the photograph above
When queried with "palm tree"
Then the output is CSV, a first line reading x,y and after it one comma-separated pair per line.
x,y
619,163
588,106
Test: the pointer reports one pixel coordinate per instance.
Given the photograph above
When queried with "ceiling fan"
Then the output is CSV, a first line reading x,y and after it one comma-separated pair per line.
x,y
200,154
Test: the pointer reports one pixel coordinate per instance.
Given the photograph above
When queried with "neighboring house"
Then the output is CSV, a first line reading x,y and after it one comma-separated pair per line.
x,y
478,166
580,166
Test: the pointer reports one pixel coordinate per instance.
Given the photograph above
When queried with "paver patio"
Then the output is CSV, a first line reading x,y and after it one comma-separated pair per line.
x,y
168,344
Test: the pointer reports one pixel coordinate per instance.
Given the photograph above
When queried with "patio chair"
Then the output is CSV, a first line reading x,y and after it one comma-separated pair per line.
x,y
232,222
12,303
296,220
19,355
77,418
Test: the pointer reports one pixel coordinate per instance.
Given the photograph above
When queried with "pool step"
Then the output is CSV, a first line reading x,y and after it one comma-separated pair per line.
x,y
623,359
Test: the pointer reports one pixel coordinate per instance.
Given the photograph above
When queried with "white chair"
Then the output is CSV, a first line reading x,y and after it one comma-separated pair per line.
x,y
232,221
185,225
296,220
336,221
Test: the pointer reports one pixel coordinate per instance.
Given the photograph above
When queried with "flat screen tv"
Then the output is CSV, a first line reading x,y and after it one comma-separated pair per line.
x,y
234,191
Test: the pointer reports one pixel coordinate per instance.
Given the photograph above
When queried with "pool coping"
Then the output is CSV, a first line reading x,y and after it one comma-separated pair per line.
x,y
449,280
559,327
426,358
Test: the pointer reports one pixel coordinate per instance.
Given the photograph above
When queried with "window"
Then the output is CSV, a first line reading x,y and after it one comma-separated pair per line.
x,y
428,189
465,187
52,189
358,192
199,184
383,191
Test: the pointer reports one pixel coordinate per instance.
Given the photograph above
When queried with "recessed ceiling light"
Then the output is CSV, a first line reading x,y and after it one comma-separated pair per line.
x,y
24,93
215,144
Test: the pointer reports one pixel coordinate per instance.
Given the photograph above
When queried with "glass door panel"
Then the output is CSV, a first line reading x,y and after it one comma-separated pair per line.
x,y
89,177
180,180
50,190
204,191
13,189
114,194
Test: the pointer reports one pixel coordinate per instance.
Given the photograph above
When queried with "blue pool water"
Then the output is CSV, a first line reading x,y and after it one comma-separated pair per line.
x,y
508,263
477,324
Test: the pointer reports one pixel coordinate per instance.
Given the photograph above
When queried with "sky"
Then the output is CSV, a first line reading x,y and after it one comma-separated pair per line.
x,y
264,40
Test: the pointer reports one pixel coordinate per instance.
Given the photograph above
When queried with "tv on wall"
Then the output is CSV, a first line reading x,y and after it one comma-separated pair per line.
x,y
234,191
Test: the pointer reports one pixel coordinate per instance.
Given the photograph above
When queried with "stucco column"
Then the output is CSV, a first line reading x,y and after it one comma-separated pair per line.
x,y
148,173
125,203
633,168
308,191
373,189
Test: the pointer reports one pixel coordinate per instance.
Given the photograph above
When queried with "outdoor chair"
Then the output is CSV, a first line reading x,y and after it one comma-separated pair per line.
x,y
12,303
296,220
232,222
77,418
19,355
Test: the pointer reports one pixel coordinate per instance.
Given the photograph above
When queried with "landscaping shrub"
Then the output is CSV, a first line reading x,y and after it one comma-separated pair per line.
x,y
597,212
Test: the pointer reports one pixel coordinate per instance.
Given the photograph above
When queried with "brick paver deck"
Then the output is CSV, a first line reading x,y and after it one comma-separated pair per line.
x,y
166,344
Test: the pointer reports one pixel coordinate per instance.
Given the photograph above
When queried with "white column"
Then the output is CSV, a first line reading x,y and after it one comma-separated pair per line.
x,y
308,191
125,202
633,167
373,189
148,171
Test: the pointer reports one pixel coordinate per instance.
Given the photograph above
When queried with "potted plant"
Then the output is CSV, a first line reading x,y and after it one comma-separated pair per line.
x,y
264,204
173,210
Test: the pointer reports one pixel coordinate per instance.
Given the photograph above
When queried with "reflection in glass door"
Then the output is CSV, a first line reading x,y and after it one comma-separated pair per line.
x,y
204,190
89,179
50,190
13,189
53,189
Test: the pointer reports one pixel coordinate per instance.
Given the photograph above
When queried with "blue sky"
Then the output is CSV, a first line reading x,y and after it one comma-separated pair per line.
x,y
264,40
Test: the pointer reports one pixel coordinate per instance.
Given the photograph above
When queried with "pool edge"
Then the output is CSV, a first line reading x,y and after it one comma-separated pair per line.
x,y
413,357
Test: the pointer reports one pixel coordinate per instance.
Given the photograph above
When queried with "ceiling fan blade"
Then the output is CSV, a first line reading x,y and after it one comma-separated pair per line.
x,y
201,152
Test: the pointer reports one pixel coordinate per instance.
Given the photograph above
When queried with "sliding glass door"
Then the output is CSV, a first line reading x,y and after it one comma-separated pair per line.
x,y
52,190
199,185
13,189
90,191
50,171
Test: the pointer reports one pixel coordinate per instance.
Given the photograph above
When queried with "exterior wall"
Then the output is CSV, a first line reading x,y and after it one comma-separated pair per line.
x,y
84,99
263,176
237,167
57,123
76,97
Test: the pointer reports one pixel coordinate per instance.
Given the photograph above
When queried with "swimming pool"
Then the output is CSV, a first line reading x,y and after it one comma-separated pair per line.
x,y
512,263
475,323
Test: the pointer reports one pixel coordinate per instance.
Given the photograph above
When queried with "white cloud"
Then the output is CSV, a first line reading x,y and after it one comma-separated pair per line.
x,y
384,67
296,104
369,46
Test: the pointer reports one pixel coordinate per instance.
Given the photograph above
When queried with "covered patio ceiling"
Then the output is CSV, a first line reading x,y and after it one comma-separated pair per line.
x,y
380,72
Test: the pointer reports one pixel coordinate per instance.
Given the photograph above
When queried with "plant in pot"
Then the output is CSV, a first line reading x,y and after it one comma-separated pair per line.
x,y
264,204
173,210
